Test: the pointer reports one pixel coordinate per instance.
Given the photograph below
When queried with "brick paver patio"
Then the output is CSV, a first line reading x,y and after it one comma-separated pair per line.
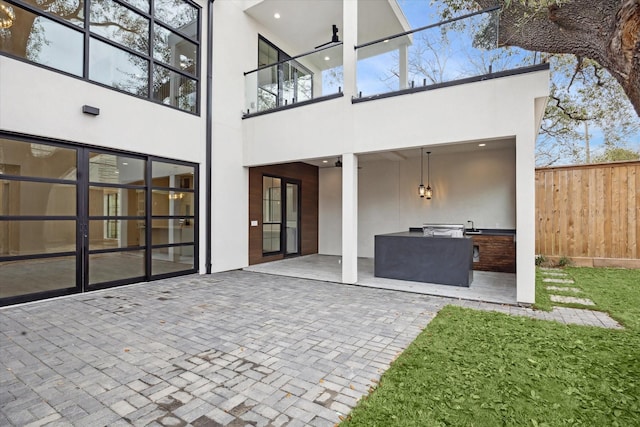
x,y
236,349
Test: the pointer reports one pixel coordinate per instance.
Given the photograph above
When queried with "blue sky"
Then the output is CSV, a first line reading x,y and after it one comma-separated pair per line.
x,y
421,12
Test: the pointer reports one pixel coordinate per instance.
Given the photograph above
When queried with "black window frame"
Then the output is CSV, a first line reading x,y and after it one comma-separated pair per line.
x,y
148,56
82,217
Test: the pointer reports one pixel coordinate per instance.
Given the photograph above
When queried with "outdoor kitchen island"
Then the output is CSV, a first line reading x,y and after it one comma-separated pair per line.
x,y
411,255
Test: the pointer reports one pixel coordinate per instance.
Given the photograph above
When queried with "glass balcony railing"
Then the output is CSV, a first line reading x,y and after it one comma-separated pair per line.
x,y
456,49
302,78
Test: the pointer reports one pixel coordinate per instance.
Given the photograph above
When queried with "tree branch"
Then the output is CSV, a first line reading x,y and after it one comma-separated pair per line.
x,y
566,112
606,31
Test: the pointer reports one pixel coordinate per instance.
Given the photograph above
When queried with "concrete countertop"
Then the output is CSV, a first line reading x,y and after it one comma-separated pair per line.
x,y
417,234
485,231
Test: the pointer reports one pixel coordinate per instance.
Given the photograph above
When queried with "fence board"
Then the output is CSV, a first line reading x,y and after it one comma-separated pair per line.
x,y
584,228
589,211
623,244
636,212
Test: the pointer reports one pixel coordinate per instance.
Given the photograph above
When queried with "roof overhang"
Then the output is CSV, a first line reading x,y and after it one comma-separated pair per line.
x,y
307,24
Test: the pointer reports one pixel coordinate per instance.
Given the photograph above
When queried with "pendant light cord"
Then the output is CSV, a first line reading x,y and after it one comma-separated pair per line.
x,y
421,166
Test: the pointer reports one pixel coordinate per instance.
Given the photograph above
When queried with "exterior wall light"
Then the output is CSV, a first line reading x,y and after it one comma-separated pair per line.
x,y
92,111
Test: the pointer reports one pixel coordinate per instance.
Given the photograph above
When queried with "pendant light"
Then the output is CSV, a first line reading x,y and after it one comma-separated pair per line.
x,y
429,191
421,190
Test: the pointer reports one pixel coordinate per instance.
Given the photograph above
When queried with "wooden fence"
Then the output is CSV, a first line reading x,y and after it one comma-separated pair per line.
x,y
589,213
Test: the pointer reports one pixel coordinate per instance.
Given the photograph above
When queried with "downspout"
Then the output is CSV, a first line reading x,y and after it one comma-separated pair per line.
x,y
209,132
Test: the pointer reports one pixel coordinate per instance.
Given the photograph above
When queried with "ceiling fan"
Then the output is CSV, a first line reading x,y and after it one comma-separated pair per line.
x,y
334,38
338,164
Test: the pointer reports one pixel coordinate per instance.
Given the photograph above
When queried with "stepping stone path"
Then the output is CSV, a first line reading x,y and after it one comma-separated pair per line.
x,y
571,300
553,280
563,289
554,273
561,277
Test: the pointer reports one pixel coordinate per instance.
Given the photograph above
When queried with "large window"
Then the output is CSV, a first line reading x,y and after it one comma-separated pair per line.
x,y
74,219
148,52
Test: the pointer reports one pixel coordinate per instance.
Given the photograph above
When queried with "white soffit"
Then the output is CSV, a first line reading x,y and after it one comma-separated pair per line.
x,y
465,148
305,24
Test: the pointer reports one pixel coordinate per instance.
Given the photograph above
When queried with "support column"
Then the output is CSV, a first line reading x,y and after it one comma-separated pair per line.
x,y
403,65
525,219
349,218
349,32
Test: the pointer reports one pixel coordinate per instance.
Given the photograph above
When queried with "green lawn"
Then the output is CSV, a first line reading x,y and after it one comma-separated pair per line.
x,y
472,368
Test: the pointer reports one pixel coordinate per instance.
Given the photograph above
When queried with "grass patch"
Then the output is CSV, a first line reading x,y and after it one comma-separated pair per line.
x,y
477,368
543,301
614,290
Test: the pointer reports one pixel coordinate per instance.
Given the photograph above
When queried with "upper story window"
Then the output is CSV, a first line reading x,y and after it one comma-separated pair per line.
x,y
150,52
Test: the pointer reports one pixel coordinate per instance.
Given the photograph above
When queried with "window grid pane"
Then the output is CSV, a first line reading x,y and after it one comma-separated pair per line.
x,y
171,88
48,43
175,50
118,68
120,25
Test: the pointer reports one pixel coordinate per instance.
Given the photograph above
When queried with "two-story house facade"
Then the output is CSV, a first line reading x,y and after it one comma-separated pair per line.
x,y
141,140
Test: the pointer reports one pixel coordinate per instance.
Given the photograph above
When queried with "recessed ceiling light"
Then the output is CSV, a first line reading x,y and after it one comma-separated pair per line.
x,y
325,161
125,163
482,145
276,15
386,41
326,58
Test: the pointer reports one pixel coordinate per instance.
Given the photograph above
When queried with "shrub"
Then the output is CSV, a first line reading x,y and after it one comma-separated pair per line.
x,y
565,262
541,260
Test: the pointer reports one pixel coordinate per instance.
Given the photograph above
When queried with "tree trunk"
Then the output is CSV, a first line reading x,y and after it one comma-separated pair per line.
x,y
607,31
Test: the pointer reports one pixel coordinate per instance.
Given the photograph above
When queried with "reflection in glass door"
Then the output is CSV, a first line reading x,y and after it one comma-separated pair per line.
x,y
292,238
38,220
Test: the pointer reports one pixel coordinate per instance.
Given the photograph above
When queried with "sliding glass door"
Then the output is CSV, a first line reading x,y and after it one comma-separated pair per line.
x,y
74,219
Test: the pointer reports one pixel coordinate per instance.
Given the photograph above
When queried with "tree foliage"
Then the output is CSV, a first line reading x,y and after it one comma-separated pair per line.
x,y
616,154
583,97
593,48
605,31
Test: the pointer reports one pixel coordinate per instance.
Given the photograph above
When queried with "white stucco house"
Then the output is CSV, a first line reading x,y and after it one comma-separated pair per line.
x,y
206,137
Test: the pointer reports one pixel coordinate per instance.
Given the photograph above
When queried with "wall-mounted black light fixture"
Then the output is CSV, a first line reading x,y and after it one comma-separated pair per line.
x,y
92,111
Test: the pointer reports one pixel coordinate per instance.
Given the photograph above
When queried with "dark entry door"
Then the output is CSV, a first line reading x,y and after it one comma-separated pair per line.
x,y
281,216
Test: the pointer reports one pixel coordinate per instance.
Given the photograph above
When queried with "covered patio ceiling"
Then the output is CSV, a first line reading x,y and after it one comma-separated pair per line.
x,y
465,148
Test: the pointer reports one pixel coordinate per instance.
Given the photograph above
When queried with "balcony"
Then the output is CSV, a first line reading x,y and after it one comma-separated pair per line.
x,y
459,50
456,51
296,81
